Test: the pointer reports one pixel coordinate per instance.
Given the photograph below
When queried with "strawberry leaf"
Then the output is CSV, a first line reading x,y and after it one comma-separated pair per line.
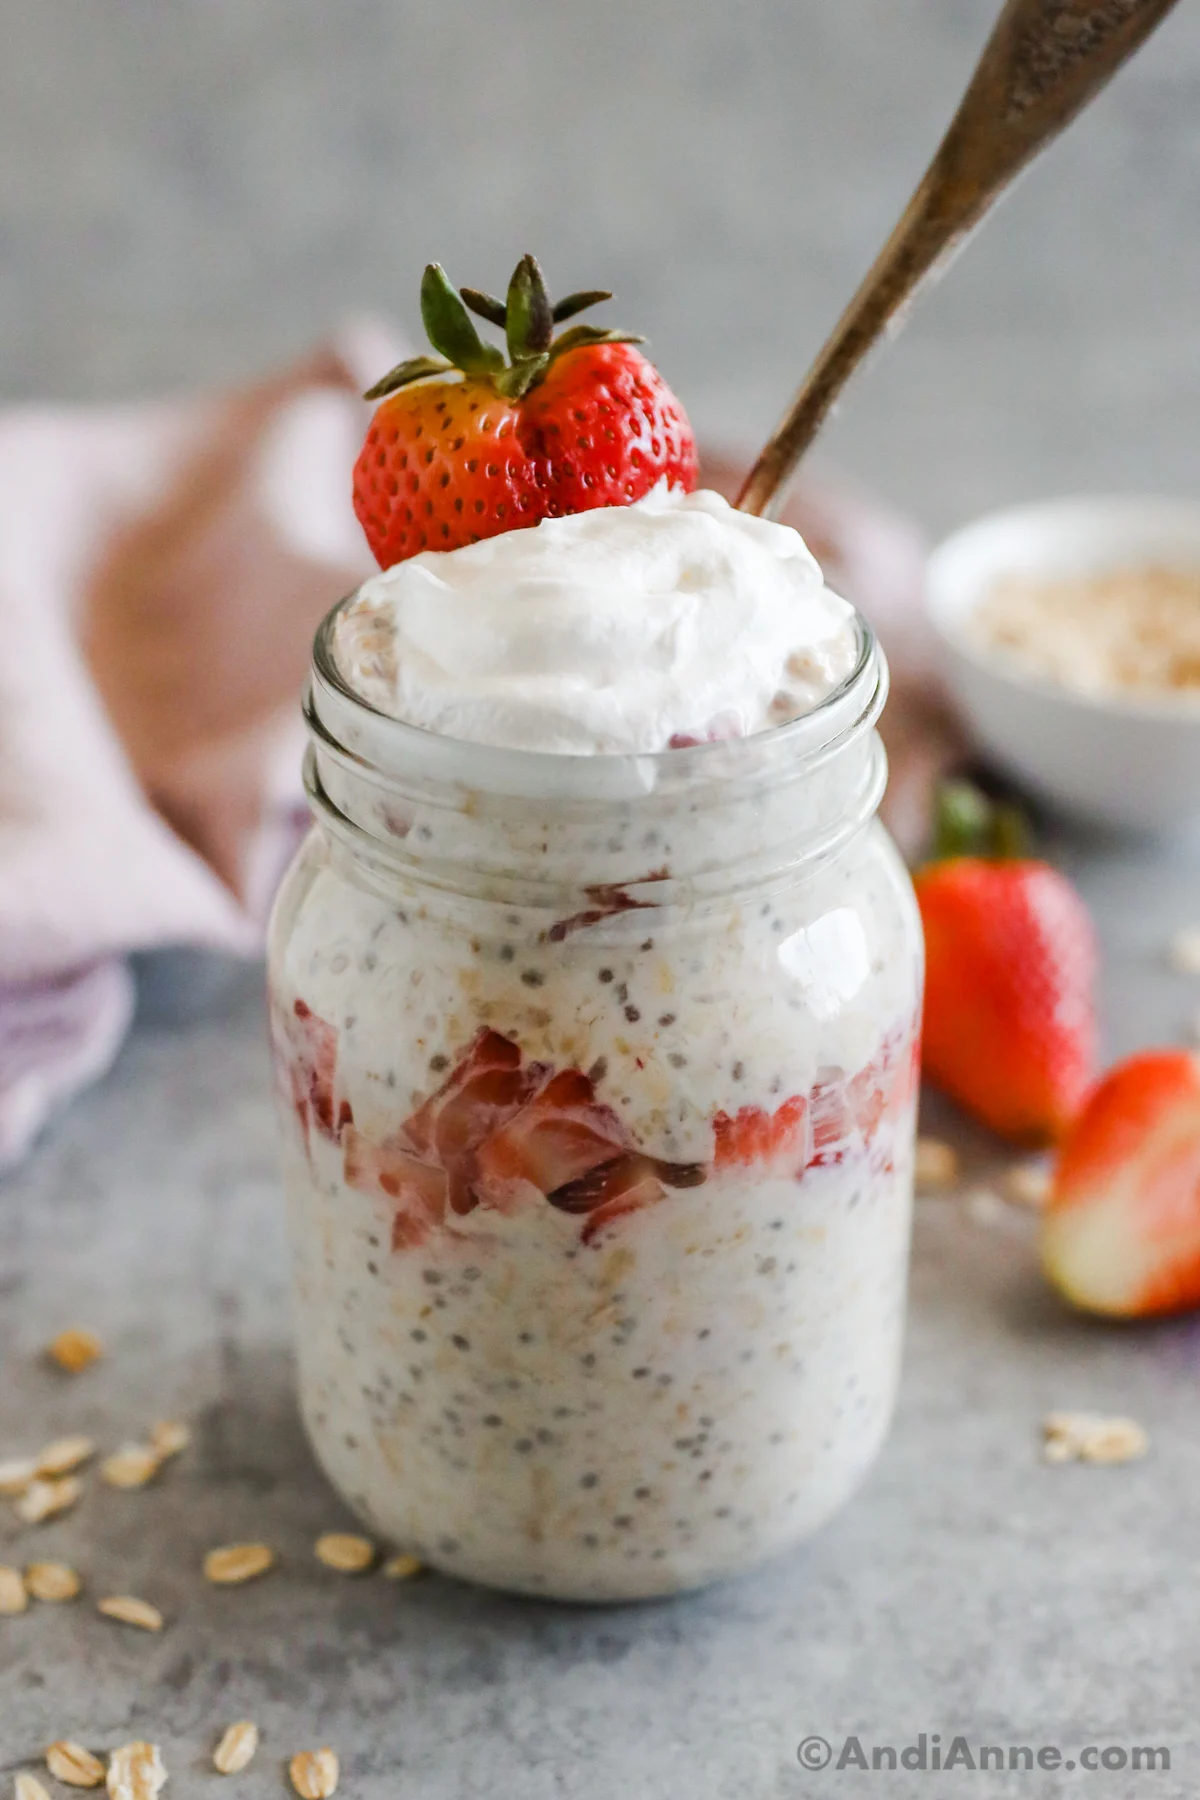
x,y
486,305
414,369
577,303
527,318
579,335
449,327
529,323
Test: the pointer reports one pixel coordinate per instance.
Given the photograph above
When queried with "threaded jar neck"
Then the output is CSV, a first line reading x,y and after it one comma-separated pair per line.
x,y
404,806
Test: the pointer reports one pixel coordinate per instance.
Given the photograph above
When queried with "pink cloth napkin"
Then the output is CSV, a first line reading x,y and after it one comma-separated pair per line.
x,y
162,567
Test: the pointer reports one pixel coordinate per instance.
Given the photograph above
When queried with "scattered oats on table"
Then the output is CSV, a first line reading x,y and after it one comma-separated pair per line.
x,y
985,1207
70,1762
65,1454
1028,1184
136,1772
13,1597
401,1568
314,1773
132,1466
75,1349
127,1609
16,1473
230,1564
343,1551
52,1581
236,1748
1093,1438
168,1437
46,1499
1185,950
28,1787
937,1166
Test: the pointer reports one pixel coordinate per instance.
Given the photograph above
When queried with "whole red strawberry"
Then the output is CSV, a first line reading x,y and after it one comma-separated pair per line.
x,y
465,445
1010,1028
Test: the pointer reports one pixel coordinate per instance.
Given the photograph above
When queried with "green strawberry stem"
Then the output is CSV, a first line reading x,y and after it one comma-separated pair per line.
x,y
526,316
967,823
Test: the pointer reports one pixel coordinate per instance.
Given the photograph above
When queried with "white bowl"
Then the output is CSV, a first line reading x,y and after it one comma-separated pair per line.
x,y
1129,762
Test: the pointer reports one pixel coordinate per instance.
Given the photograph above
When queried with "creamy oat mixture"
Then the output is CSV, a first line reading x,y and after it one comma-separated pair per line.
x,y
600,1209
1130,631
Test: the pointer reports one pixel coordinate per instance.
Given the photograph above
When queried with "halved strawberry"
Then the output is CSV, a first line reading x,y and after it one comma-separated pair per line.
x,y
752,1135
418,1190
627,1185
833,1125
305,1052
560,1134
1121,1232
486,1088
487,1052
821,1127
501,1132
867,1095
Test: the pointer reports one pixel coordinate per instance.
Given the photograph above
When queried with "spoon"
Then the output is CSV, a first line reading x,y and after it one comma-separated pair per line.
x,y
1042,64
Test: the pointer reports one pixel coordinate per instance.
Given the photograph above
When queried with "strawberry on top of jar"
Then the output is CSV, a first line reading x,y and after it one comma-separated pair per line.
x,y
466,444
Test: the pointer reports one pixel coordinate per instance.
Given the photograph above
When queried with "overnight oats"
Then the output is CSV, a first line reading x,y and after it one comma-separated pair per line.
x,y
595,996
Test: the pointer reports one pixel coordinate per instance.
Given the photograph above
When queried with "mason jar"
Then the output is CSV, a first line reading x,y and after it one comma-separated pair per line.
x,y
597,1079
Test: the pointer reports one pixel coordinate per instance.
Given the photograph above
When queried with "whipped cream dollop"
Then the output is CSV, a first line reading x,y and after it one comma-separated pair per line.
x,y
628,628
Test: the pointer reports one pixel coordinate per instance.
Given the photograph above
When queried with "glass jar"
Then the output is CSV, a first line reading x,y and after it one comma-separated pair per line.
x,y
598,1081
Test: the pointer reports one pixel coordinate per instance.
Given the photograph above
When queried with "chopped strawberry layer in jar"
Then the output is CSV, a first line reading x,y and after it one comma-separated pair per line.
x,y
504,1133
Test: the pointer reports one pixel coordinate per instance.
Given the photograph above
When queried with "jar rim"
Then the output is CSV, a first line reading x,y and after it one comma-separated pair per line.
x,y
345,720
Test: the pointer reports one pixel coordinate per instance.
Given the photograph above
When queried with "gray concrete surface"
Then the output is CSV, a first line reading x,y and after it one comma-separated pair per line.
x,y
189,191
969,1589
